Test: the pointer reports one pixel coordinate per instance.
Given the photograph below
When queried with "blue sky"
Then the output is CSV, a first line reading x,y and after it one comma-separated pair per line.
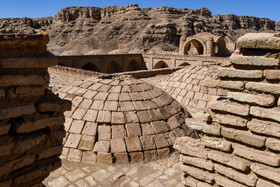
x,y
42,8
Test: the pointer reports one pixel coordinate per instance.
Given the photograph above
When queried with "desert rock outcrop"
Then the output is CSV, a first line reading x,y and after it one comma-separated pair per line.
x,y
116,27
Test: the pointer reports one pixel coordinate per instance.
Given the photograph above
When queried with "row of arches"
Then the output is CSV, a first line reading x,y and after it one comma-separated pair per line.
x,y
111,67
114,67
195,46
162,64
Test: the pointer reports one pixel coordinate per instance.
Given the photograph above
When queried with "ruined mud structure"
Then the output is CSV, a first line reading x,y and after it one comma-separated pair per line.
x,y
223,117
201,49
120,119
31,116
241,146
203,44
238,142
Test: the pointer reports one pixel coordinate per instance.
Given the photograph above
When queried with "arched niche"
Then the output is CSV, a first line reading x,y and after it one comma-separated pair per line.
x,y
194,47
220,47
114,67
90,66
160,64
133,66
184,64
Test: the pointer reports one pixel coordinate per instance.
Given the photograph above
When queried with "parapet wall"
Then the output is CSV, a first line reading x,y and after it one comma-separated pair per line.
x,y
136,74
172,60
241,146
31,116
105,63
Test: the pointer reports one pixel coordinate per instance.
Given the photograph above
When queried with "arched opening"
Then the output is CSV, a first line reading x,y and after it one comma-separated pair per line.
x,y
90,66
220,47
184,64
193,47
133,66
114,67
160,64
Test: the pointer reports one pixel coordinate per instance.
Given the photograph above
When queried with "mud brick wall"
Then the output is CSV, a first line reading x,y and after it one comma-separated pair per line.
x,y
31,116
241,146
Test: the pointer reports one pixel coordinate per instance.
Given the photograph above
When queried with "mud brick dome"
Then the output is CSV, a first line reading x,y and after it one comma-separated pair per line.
x,y
122,120
193,86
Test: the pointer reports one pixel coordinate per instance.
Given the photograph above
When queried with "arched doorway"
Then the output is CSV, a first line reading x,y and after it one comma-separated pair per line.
x,y
133,66
184,64
193,47
114,67
220,47
90,66
160,64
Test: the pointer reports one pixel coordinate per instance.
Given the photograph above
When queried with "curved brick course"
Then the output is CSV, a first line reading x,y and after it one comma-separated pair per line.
x,y
189,86
120,119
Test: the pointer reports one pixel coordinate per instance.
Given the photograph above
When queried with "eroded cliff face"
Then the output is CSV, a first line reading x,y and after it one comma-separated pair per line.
x,y
115,27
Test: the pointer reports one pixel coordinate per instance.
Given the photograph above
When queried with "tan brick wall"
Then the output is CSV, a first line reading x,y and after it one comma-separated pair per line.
x,y
31,116
245,150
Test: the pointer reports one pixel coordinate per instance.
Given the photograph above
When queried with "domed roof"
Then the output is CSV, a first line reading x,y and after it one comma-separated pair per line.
x,y
187,86
96,52
71,53
120,119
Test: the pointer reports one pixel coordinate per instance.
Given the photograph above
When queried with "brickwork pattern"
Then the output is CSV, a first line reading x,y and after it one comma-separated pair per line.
x,y
120,119
31,116
158,173
244,150
188,86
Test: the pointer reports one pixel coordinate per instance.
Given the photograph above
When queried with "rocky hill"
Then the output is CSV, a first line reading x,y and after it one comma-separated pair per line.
x,y
132,28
